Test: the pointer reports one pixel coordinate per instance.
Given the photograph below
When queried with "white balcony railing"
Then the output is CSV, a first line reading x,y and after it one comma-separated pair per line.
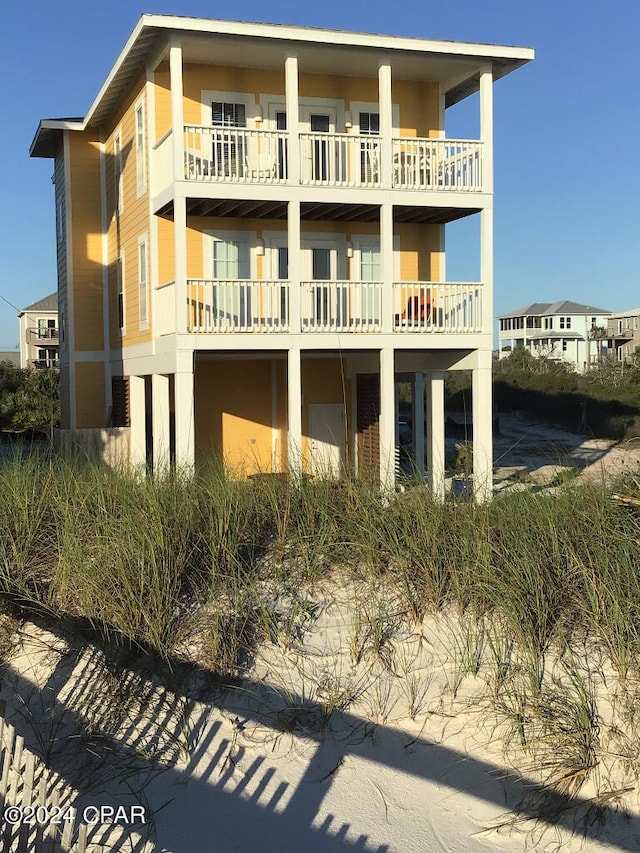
x,y
325,306
339,160
235,154
249,156
237,306
437,164
437,307
341,306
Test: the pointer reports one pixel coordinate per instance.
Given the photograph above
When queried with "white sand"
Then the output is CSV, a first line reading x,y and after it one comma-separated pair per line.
x,y
351,731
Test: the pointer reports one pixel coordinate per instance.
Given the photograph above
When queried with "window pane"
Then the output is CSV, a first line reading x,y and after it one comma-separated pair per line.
x,y
319,124
321,264
230,259
283,262
369,263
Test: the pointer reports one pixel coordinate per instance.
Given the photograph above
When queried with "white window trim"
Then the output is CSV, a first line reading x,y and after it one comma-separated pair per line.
x,y
121,288
251,108
141,152
118,170
249,237
143,324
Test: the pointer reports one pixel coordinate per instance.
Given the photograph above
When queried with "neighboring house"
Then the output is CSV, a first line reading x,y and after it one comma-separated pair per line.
x,y
12,356
39,339
563,331
250,224
623,334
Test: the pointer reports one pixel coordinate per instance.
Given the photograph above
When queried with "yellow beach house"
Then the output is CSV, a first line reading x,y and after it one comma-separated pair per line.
x,y
251,251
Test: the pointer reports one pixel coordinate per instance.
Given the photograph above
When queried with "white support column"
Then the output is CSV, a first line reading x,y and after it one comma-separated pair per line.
x,y
177,108
184,417
482,428
294,411
387,420
293,243
180,239
486,214
160,422
435,434
418,423
293,118
386,124
137,430
386,265
486,128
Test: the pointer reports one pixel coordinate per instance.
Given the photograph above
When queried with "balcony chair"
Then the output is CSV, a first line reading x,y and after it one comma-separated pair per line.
x,y
417,312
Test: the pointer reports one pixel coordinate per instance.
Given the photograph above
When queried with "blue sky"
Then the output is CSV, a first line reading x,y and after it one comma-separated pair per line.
x,y
567,131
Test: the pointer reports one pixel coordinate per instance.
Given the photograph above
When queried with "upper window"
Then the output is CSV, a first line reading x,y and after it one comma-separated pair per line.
x,y
565,322
117,170
120,289
369,263
224,114
230,260
142,281
141,168
369,124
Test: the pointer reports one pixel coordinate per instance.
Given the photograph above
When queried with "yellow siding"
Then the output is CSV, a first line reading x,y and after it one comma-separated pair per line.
x,y
419,107
166,250
418,101
90,395
419,252
419,244
86,241
225,79
125,229
162,93
233,414
341,88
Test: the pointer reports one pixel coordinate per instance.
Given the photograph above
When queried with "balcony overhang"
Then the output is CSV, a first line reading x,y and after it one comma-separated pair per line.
x,y
316,212
455,66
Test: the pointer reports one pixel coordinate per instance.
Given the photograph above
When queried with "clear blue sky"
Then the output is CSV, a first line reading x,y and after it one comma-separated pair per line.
x,y
567,132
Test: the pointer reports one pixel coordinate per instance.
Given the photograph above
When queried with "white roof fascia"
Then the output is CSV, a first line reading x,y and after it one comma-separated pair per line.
x,y
312,35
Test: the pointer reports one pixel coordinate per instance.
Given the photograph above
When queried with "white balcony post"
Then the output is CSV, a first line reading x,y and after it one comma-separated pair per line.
x,y
137,416
293,244
435,434
386,265
293,119
386,125
294,411
160,422
177,108
184,417
482,428
180,239
418,423
387,420
486,128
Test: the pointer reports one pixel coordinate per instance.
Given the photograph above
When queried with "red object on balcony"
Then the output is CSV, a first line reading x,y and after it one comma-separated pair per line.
x,y
418,311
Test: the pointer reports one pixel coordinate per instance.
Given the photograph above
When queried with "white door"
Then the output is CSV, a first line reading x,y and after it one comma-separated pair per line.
x,y
319,159
327,438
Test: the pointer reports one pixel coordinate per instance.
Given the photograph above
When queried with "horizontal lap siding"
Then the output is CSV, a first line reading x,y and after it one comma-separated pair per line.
x,y
419,252
90,396
86,241
133,222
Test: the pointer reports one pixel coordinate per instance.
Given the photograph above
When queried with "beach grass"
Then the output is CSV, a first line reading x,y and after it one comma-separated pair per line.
x,y
189,566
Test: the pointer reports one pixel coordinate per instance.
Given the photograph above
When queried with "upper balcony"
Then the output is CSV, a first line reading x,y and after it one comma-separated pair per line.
x,y
249,156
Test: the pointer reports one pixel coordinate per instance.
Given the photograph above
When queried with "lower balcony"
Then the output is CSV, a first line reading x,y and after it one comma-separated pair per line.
x,y
345,307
